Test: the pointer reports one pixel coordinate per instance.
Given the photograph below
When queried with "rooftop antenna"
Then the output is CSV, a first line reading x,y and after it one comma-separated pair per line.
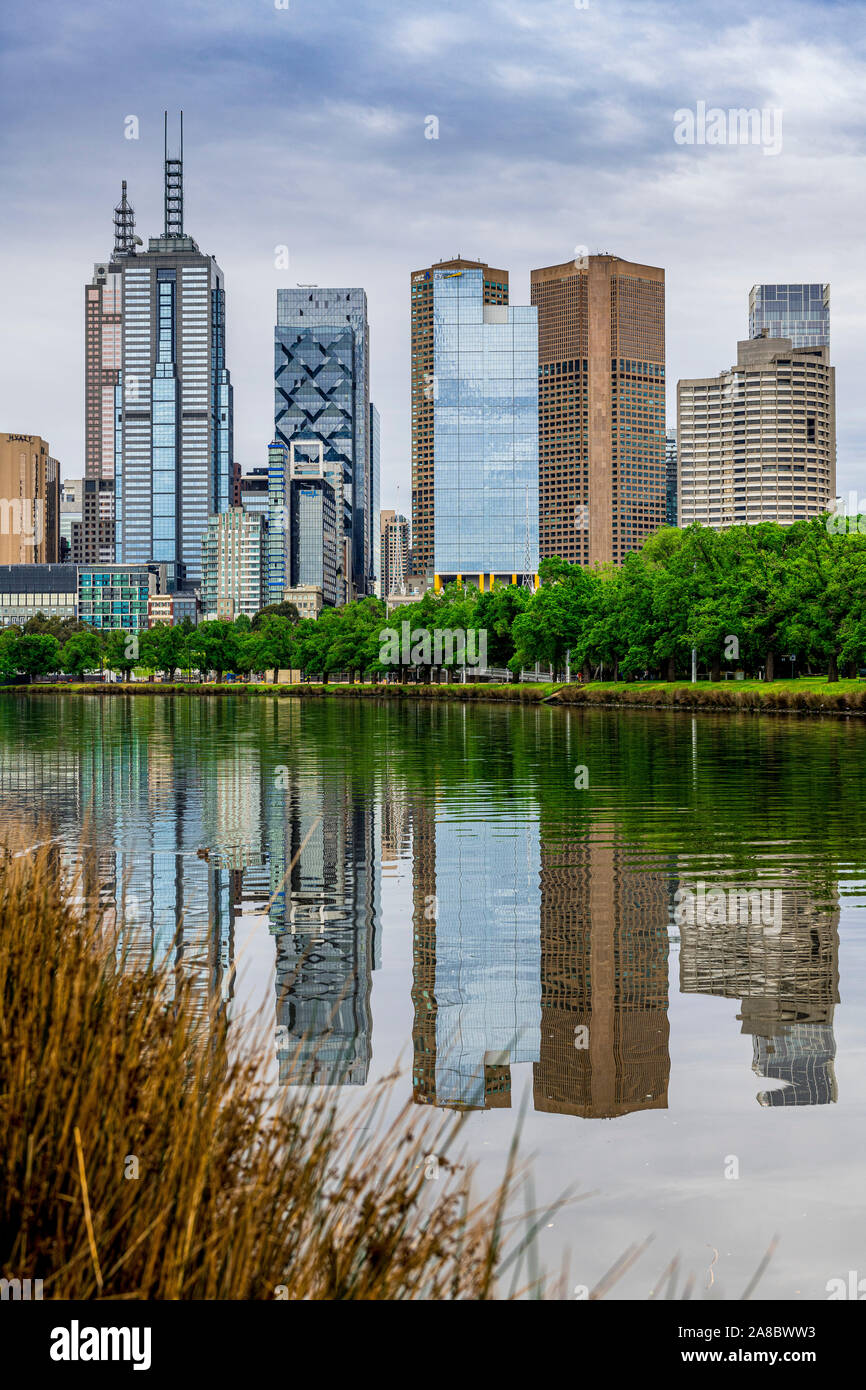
x,y
125,239
174,186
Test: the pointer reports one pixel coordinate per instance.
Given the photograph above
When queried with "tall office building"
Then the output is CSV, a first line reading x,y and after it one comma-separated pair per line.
x,y
758,442
494,291
601,400
394,548
322,397
485,422
671,478
173,402
29,501
103,362
312,538
798,312
374,577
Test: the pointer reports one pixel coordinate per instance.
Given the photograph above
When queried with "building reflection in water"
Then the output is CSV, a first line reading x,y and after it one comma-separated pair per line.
x,y
550,952
532,943
323,853
787,978
604,954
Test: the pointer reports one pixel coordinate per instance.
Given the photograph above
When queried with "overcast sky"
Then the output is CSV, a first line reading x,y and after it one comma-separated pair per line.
x,y
305,127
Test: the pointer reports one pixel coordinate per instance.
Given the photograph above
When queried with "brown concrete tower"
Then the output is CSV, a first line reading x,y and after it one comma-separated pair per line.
x,y
601,404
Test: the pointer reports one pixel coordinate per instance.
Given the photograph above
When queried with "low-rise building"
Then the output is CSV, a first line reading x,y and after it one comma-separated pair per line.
x,y
27,590
117,596
307,598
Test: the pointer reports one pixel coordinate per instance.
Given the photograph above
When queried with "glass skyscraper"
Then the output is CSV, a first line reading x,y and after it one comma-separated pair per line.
x,y
798,312
173,398
322,396
375,493
485,409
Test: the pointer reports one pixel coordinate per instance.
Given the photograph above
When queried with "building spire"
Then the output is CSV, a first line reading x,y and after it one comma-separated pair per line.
x,y
174,186
124,225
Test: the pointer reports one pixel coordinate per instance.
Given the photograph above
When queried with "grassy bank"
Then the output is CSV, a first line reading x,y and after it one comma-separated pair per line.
x,y
808,695
141,1159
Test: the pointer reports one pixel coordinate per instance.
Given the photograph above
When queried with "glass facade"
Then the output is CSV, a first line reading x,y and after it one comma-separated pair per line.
x,y
485,402
375,486
277,575
798,312
322,395
670,477
313,514
173,407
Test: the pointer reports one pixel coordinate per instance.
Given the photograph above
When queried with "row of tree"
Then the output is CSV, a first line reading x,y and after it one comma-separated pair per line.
x,y
747,598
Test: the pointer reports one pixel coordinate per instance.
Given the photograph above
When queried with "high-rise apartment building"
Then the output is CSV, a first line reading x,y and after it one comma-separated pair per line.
x,y
485,424
798,312
601,401
494,291
173,400
394,550
322,397
234,564
29,501
758,442
671,478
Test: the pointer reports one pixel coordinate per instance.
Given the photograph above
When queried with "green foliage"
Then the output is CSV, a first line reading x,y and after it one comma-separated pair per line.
x,y
745,598
82,652
275,610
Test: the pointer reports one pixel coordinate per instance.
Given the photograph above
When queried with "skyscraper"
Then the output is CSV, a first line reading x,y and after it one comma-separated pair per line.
x,y
601,397
374,576
103,360
322,397
758,442
485,421
173,412
495,291
798,312
394,547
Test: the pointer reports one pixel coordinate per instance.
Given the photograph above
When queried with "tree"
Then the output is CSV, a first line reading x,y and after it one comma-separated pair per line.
x,y
35,654
276,610
82,652
121,651
216,643
162,648
270,647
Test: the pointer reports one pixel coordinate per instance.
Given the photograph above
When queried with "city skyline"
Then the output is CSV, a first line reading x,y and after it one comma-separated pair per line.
x,y
539,131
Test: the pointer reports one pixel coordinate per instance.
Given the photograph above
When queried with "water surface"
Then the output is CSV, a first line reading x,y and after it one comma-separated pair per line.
x,y
499,896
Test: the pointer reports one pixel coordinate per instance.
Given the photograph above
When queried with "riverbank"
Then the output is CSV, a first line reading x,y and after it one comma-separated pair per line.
x,y
808,695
